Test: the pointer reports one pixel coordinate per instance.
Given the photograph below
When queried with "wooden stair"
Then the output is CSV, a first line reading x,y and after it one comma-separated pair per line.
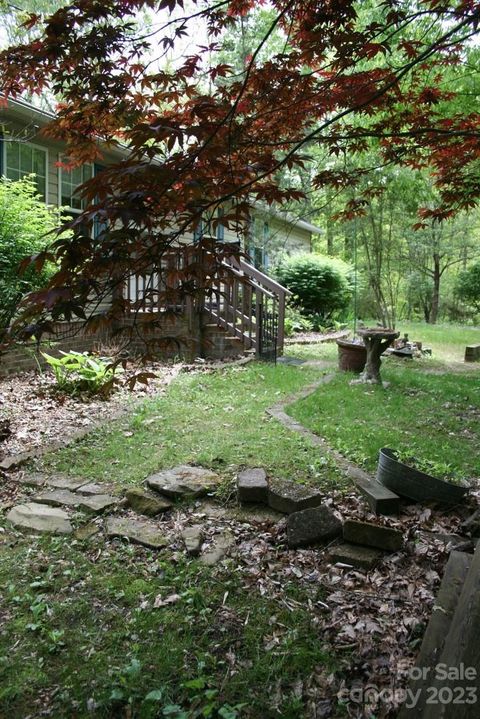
x,y
451,641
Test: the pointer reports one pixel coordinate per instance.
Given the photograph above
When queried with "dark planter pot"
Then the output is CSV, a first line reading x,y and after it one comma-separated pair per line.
x,y
351,356
409,482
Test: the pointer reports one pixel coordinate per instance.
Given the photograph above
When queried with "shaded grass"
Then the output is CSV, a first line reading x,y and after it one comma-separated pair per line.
x,y
81,635
432,417
215,420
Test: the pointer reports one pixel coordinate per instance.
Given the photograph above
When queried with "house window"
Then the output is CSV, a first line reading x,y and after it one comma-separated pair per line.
x,y
205,227
23,159
70,181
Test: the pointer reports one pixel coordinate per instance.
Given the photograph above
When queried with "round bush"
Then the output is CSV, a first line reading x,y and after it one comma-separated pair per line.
x,y
321,286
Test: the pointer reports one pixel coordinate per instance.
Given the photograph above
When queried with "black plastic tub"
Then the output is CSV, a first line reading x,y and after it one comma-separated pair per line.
x,y
413,484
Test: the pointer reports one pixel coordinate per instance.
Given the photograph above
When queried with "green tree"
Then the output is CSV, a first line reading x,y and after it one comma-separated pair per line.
x,y
467,287
25,224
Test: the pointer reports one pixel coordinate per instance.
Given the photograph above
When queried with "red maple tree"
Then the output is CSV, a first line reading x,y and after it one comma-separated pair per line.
x,y
199,138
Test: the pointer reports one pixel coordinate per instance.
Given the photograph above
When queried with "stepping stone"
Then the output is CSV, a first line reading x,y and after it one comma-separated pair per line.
x,y
61,481
289,497
32,480
219,550
184,481
371,535
87,531
64,498
146,502
193,539
257,515
136,531
39,518
356,556
94,488
253,486
317,524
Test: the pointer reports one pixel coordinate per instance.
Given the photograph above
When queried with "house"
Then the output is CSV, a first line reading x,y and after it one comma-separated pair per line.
x,y
249,313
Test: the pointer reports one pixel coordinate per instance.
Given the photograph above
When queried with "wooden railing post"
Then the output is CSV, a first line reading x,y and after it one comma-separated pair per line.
x,y
281,323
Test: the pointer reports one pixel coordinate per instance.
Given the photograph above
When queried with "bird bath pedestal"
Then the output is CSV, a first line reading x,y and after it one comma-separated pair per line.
x,y
376,340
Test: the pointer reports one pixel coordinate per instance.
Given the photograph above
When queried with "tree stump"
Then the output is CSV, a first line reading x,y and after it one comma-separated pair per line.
x,y
376,340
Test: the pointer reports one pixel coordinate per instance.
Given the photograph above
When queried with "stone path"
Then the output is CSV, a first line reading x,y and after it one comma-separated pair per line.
x,y
380,499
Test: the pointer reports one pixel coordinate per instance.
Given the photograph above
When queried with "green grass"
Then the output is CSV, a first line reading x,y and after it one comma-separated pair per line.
x,y
216,420
79,632
446,340
432,417
80,635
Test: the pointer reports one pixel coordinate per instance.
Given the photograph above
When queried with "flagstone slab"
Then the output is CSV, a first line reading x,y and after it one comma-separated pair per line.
x,y
40,518
218,551
184,481
136,531
62,481
316,524
37,479
65,498
94,488
145,502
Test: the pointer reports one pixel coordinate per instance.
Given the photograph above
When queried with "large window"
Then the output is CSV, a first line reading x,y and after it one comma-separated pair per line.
x,y
70,181
22,159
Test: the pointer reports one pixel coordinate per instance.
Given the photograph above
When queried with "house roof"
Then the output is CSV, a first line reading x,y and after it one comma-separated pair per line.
x,y
288,217
38,119
25,111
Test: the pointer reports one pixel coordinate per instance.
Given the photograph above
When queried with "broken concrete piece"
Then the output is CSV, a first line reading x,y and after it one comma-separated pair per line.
x,y
289,497
136,531
253,486
372,535
64,498
193,538
355,556
184,481
317,524
147,502
39,518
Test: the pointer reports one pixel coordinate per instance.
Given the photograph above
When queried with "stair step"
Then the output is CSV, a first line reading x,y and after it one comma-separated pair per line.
x,y
438,629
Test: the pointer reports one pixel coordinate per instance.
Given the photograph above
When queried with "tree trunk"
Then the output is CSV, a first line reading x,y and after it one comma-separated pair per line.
x,y
436,290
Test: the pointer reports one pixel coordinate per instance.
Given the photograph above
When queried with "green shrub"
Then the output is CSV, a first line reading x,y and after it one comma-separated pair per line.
x,y
25,222
295,321
467,287
80,372
321,286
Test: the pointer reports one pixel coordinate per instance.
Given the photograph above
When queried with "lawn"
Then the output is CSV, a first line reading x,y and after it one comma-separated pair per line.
x,y
431,417
79,633
83,633
217,420
429,411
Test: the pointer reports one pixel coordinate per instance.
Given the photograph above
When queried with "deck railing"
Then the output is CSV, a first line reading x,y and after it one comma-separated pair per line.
x,y
229,292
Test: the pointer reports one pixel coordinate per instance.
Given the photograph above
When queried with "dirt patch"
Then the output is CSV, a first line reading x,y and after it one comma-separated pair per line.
x,y
39,415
